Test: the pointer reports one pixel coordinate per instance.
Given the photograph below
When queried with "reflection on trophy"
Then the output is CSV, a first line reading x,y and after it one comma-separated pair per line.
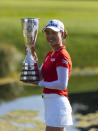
x,y
30,71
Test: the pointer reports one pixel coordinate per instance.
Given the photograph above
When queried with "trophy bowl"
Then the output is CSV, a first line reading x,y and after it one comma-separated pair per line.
x,y
30,72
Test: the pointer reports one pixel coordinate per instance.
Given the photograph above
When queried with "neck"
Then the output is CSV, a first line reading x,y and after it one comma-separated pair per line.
x,y
56,47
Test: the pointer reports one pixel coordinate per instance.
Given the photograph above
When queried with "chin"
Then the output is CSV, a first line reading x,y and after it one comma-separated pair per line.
x,y
53,44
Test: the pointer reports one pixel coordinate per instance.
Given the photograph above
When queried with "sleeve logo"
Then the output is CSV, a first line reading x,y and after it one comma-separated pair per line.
x,y
64,61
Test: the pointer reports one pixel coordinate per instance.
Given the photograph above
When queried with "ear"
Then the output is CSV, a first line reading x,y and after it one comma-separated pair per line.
x,y
64,34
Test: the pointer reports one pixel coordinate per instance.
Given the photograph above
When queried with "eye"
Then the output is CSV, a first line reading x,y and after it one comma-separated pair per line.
x,y
47,32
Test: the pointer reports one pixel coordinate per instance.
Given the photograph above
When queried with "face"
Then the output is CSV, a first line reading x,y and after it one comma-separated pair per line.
x,y
53,38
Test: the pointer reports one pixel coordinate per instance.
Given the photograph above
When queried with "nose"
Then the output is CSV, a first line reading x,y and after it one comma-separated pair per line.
x,y
50,37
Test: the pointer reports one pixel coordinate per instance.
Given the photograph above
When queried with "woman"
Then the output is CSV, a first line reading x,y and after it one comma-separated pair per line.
x,y
55,72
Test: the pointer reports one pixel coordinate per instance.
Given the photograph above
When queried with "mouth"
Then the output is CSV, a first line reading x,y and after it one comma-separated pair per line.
x,y
51,40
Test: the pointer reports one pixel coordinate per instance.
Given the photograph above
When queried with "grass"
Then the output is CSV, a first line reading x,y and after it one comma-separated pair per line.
x,y
83,83
80,19
21,120
87,122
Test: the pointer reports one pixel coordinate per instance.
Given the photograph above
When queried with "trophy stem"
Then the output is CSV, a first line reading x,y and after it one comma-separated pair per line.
x,y
29,58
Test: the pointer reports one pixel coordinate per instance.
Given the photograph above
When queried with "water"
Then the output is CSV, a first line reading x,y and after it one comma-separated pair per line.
x,y
26,125
28,103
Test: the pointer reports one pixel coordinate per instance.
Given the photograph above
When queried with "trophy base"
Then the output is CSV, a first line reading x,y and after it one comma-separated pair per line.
x,y
29,79
29,73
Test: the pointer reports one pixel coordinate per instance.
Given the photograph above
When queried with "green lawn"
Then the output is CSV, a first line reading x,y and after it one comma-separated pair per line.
x,y
80,19
83,83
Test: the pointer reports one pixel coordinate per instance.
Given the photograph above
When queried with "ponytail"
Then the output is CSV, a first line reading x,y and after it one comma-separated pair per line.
x,y
65,35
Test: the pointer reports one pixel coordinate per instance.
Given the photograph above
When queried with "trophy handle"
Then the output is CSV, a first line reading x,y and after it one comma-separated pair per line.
x,y
34,38
32,47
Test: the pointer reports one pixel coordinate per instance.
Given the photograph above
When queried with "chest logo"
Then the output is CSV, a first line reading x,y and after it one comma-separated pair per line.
x,y
52,59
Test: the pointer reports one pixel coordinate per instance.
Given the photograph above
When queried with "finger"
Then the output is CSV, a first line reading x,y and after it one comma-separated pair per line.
x,y
25,46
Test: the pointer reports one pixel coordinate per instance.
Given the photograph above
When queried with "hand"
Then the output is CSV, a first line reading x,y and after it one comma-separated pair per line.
x,y
32,46
25,49
27,82
32,49
30,82
35,83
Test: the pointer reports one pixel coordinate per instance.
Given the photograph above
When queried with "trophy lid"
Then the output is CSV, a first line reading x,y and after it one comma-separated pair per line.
x,y
30,21
26,19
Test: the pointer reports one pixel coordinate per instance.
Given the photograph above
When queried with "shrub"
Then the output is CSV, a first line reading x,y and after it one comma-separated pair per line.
x,y
10,59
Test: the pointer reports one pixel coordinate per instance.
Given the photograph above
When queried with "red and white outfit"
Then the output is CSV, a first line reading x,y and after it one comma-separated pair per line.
x,y
55,71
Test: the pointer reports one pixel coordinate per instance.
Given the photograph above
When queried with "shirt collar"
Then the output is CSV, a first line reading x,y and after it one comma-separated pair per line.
x,y
61,47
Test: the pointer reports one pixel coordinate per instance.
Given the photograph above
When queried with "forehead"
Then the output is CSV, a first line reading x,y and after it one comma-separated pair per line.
x,y
50,30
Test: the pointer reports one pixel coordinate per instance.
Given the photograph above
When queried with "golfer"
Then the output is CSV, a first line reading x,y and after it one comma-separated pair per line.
x,y
55,72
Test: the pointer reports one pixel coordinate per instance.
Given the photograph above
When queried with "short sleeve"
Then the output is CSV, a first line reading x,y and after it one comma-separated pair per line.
x,y
61,61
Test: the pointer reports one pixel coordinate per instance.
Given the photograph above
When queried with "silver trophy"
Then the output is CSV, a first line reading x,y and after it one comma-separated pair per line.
x,y
30,71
